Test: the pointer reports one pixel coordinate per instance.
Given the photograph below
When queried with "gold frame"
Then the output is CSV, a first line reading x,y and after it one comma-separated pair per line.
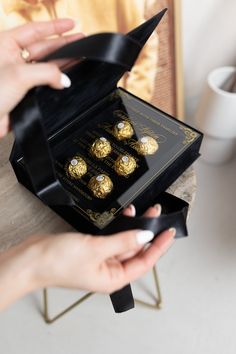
x,y
179,81
172,65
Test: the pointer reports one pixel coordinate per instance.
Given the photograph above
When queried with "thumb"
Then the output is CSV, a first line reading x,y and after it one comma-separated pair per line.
x,y
18,79
123,242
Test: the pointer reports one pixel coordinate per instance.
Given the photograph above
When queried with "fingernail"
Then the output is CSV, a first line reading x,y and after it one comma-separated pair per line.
x,y
76,22
158,208
172,231
65,81
132,209
144,237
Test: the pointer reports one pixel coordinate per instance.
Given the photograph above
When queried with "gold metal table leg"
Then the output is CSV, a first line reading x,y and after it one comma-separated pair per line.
x,y
49,320
158,299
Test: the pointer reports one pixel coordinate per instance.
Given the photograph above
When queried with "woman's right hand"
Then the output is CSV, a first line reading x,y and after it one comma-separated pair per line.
x,y
18,79
98,263
17,76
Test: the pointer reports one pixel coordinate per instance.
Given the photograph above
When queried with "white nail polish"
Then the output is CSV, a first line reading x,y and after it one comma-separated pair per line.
x,y
133,210
172,230
65,81
158,207
144,237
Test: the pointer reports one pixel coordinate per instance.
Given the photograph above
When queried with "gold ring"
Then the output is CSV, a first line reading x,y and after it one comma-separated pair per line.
x,y
25,55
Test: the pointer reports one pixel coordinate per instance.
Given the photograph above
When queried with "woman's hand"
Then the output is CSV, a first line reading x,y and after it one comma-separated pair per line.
x,y
17,76
18,79
100,264
36,38
94,263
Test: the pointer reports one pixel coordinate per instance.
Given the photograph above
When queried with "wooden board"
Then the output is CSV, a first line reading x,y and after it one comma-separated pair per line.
x,y
168,94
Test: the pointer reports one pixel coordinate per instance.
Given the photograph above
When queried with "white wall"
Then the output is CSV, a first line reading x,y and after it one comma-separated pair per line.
x,y
209,39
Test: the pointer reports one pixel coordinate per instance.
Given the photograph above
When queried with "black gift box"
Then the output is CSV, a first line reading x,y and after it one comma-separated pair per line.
x,y
53,126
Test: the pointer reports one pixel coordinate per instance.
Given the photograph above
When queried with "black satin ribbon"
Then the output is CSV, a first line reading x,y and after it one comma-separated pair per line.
x,y
156,225
174,214
177,210
110,48
122,300
30,136
26,120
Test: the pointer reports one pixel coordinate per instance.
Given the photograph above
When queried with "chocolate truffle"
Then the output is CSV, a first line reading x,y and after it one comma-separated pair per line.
x,y
125,165
123,130
146,146
101,148
76,168
100,186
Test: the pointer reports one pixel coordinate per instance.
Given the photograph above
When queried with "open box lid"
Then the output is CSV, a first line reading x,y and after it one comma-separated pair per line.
x,y
106,57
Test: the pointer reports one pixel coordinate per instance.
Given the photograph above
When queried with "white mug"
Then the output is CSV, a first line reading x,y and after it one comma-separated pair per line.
x,y
216,116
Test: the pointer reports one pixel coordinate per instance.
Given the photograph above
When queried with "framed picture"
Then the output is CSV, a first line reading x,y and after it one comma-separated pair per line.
x,y
168,94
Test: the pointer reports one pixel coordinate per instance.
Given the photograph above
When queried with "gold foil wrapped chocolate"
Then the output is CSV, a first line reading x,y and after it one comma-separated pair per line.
x,y
100,186
101,148
125,165
76,168
123,130
146,146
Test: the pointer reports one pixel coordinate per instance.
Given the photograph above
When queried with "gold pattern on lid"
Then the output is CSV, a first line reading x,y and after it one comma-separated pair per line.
x,y
190,135
101,219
